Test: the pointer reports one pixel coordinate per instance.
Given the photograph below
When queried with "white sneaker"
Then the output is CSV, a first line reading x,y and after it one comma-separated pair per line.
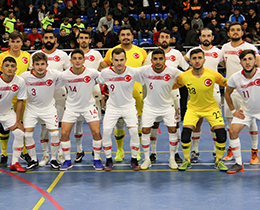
x,y
146,164
61,159
172,163
44,161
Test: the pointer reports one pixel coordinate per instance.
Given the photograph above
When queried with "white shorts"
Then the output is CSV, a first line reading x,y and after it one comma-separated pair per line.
x,y
72,117
8,119
248,119
237,101
150,116
49,117
112,114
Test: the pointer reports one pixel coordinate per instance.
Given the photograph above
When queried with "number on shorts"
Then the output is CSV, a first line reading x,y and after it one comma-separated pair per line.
x,y
33,92
151,85
246,94
94,112
217,114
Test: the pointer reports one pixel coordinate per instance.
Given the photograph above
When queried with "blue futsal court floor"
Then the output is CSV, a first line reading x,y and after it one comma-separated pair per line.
x,y
81,187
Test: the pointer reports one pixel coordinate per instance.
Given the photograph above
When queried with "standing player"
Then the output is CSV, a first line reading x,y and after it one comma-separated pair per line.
x,y
22,59
200,84
135,57
212,58
231,52
80,81
58,60
11,85
41,106
173,59
93,59
247,84
159,79
120,80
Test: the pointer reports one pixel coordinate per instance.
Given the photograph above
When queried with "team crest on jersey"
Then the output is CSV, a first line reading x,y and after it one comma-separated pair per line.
x,y
87,79
127,78
208,82
166,77
238,52
214,55
49,82
14,87
136,55
90,58
56,58
172,58
25,60
257,82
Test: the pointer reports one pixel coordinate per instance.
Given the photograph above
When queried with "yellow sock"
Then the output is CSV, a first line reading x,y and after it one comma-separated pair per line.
x,y
220,150
4,141
24,148
186,150
120,135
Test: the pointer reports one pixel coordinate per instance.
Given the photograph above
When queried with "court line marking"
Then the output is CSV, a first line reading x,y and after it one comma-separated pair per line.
x,y
45,194
40,202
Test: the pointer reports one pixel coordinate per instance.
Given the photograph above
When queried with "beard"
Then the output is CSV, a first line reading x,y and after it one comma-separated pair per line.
x,y
164,46
249,71
235,39
49,47
206,43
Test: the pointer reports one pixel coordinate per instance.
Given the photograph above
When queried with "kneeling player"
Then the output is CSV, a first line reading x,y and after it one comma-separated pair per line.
x,y
247,84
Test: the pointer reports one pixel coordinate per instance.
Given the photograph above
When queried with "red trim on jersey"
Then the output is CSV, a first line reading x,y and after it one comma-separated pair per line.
x,y
162,70
107,148
210,47
146,146
5,81
242,72
114,71
47,53
77,74
36,76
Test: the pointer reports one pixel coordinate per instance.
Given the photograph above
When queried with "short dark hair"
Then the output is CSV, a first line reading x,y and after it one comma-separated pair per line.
x,y
39,56
245,52
15,35
105,26
158,51
118,51
233,24
49,32
164,31
125,27
77,50
195,51
85,32
10,59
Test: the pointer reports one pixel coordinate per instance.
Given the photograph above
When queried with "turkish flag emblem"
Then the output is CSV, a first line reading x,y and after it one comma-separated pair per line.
x,y
56,58
208,82
127,78
49,82
91,58
25,60
86,79
136,55
257,82
214,55
172,58
166,77
14,87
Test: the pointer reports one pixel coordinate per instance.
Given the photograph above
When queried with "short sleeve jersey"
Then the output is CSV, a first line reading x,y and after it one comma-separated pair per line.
x,y
248,90
120,86
10,24
22,61
38,87
201,89
159,86
9,90
80,88
47,21
231,56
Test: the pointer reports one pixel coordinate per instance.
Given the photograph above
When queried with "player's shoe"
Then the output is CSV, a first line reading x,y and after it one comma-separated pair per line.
x,y
3,162
220,166
66,165
119,156
134,164
17,167
146,164
153,158
25,157
194,157
32,165
61,159
229,155
184,166
139,156
98,165
44,161
236,168
178,158
109,164
172,163
79,157
254,157
55,165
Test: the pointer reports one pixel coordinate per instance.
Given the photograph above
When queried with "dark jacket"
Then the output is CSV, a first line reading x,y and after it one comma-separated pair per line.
x,y
192,38
144,24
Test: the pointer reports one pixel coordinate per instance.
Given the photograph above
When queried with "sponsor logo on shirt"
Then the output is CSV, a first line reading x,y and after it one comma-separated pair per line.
x,y
25,60
213,54
233,52
136,55
208,82
90,58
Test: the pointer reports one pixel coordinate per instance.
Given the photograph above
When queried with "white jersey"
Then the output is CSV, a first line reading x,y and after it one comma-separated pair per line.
x,y
80,88
231,56
9,90
41,90
159,86
247,89
173,58
120,85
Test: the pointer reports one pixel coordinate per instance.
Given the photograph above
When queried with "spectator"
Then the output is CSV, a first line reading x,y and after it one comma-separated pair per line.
x,y
93,36
184,31
222,33
170,21
157,22
233,5
196,20
73,36
108,21
70,11
61,4
120,11
156,33
66,25
144,26
42,13
82,5
58,14
192,38
34,35
27,45
105,9
208,5
2,18
49,27
256,32
195,7
123,2
93,13
5,41
105,95
183,20
223,10
131,21
245,29
132,6
9,22
99,44
31,17
185,8
48,20
106,37
63,39
213,15
116,27
165,5
46,3
176,34
236,17
148,6
79,24
251,18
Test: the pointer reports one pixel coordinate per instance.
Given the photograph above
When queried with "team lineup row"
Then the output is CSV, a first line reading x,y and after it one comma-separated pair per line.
x,y
159,79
